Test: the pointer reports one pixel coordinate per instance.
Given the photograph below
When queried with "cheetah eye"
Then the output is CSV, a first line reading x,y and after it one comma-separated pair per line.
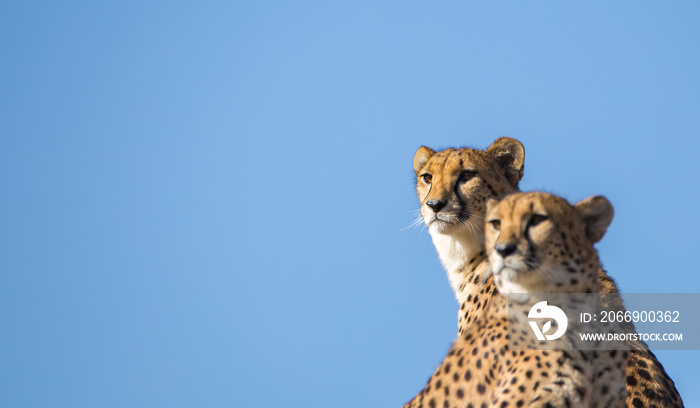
x,y
466,175
496,224
537,219
427,178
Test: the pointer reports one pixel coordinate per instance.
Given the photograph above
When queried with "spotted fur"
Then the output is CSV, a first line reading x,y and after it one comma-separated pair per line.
x,y
460,245
480,370
453,186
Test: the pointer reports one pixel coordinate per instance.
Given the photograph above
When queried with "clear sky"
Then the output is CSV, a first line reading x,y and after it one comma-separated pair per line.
x,y
203,204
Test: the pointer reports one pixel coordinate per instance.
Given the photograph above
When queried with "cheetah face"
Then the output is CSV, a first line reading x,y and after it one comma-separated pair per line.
x,y
453,185
539,243
452,191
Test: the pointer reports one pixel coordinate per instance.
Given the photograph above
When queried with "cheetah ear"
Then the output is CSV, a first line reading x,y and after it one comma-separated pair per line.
x,y
597,214
422,156
510,156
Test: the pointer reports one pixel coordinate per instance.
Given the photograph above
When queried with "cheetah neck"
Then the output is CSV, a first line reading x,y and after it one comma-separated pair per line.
x,y
475,292
456,251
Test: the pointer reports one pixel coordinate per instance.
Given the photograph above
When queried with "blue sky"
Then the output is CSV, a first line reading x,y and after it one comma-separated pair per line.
x,y
204,203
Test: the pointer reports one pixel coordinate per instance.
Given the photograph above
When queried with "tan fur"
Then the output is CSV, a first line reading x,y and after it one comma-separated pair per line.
x,y
480,370
545,237
463,180
461,245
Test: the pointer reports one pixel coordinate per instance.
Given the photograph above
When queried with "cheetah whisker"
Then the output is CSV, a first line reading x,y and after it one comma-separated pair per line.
x,y
416,221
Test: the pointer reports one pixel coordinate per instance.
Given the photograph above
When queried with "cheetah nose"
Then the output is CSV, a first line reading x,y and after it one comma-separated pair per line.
x,y
505,249
436,205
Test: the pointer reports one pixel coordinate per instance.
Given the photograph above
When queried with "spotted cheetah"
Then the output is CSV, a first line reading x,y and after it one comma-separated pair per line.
x,y
524,235
453,186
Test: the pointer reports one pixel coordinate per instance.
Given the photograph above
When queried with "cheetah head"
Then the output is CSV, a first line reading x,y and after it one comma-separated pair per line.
x,y
453,186
539,243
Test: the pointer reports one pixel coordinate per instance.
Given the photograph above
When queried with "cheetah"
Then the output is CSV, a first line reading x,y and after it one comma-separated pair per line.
x,y
453,186
481,369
